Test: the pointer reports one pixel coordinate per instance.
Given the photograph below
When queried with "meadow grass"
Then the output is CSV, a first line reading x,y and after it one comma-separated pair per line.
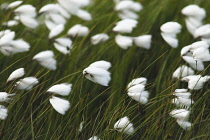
x,y
31,116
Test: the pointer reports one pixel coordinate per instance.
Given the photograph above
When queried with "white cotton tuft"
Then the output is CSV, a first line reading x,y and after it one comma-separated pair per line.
x,y
181,114
14,4
60,105
84,15
45,58
63,49
195,82
171,28
56,18
101,64
4,97
11,23
3,112
6,37
62,89
19,46
125,26
63,12
201,54
26,10
194,16
81,126
56,31
64,41
170,39
27,83
94,138
97,72
192,24
185,95
180,90
69,5
179,101
141,97
188,78
4,32
184,124
141,80
29,21
169,31
136,88
50,24
197,65
143,41
63,45
199,44
97,75
183,71
186,51
96,39
123,42
203,31
49,9
194,11
128,5
78,30
16,74
43,55
127,14
124,125
49,63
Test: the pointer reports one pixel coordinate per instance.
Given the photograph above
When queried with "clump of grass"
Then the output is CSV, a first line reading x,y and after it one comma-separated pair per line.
x,y
98,107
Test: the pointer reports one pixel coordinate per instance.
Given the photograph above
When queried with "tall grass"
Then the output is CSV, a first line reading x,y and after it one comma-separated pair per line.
x,y
32,117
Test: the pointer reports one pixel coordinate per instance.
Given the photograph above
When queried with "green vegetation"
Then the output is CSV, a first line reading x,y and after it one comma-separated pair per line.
x,y
31,116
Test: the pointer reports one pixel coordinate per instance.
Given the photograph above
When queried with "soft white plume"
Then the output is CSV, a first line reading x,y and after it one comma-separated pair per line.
x,y
63,45
128,5
194,16
195,82
59,104
143,41
96,39
181,114
84,15
3,112
94,138
124,125
16,74
14,4
186,125
27,83
56,31
141,80
29,21
26,10
101,64
169,31
141,97
125,26
183,71
197,65
4,97
62,89
97,72
46,59
123,42
78,30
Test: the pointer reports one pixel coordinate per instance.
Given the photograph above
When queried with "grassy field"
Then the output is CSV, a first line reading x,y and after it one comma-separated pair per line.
x,y
31,116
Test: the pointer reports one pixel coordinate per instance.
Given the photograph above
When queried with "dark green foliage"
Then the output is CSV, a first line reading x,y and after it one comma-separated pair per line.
x,y
31,116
